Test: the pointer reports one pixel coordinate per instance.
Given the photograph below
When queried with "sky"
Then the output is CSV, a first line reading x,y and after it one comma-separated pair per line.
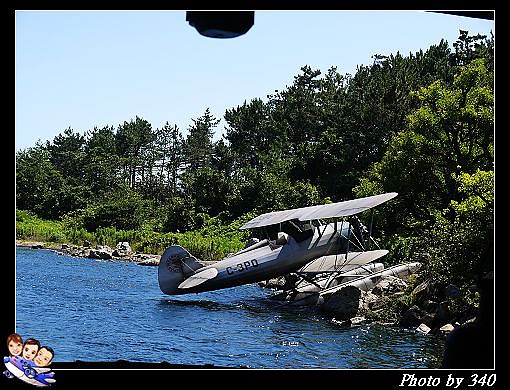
x,y
86,69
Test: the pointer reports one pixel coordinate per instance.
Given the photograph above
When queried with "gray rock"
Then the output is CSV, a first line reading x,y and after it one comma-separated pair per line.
x,y
344,303
422,328
358,321
389,285
424,291
350,323
276,283
446,329
369,300
150,262
101,252
123,249
412,316
341,323
429,318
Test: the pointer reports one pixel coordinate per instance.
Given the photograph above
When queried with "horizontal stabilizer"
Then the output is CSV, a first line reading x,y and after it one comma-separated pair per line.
x,y
199,278
337,262
332,210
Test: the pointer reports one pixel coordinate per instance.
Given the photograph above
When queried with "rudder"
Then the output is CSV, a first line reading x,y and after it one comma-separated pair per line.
x,y
175,265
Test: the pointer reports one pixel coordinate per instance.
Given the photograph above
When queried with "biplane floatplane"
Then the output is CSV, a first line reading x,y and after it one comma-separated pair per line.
x,y
320,256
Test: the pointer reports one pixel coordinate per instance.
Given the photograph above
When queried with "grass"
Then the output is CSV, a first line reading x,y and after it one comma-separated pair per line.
x,y
212,242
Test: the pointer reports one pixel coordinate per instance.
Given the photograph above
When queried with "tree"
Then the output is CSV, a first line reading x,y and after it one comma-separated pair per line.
x,y
123,210
296,112
248,132
202,184
37,182
166,160
68,188
133,141
67,155
102,162
463,232
469,47
457,123
198,146
173,154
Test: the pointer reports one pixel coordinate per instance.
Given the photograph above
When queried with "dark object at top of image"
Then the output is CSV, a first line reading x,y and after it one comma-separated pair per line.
x,y
218,24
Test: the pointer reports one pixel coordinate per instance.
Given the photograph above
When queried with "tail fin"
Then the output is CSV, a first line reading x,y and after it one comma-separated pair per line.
x,y
175,265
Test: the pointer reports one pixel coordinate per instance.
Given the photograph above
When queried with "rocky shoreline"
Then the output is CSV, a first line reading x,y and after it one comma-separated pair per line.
x,y
122,252
393,301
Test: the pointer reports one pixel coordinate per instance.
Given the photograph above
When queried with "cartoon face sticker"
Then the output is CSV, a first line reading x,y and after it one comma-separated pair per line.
x,y
30,349
29,361
14,344
15,348
44,357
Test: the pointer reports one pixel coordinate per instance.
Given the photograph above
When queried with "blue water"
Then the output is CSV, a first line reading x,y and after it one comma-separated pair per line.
x,y
92,310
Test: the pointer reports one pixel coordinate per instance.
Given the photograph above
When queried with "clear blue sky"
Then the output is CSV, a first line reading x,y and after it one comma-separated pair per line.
x,y
82,69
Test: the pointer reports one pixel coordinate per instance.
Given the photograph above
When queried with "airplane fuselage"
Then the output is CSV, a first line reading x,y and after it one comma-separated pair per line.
x,y
274,260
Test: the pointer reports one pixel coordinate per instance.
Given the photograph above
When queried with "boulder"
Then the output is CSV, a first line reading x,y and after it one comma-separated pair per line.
x,y
369,300
73,251
412,317
123,249
389,285
101,252
424,291
446,329
150,261
344,303
422,328
429,319
341,323
350,323
358,321
276,283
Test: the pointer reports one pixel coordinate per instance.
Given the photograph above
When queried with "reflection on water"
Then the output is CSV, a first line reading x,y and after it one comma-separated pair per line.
x,y
104,311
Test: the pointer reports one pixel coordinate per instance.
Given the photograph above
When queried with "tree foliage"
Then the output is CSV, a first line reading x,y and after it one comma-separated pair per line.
x,y
441,164
463,231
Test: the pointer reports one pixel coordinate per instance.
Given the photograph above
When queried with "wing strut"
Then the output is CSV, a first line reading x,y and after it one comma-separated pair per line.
x,y
370,230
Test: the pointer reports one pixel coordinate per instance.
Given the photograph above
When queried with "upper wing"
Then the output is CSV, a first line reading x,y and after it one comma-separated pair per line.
x,y
339,209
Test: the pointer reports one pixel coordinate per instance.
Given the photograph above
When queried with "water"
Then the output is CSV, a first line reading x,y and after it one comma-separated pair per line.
x,y
92,310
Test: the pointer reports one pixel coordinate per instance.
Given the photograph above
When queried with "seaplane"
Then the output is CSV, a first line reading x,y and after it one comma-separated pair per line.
x,y
318,244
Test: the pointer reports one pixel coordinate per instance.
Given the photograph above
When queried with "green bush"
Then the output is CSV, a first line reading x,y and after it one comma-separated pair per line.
x,y
31,228
213,241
